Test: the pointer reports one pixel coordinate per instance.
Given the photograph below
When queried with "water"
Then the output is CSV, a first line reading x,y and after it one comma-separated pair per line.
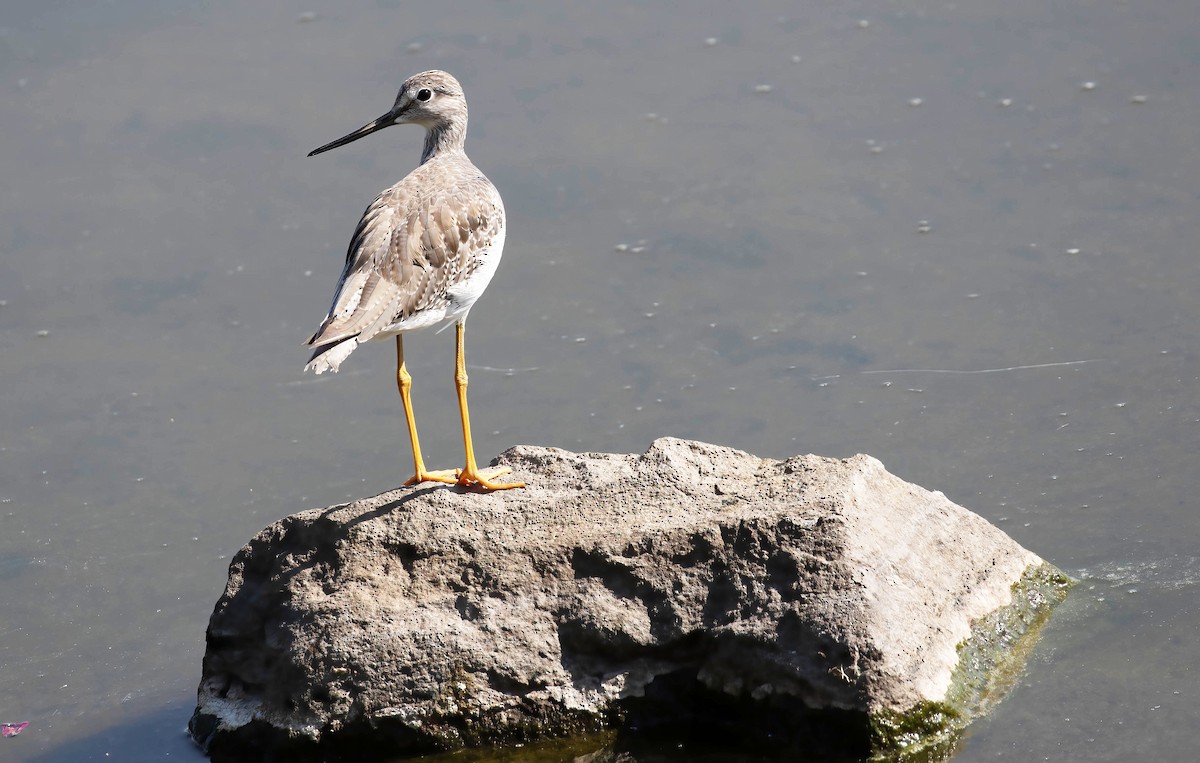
x,y
768,226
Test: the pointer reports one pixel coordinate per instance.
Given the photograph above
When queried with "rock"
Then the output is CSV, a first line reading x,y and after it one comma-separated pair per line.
x,y
814,602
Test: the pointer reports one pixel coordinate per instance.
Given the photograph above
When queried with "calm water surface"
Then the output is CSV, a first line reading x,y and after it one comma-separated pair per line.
x,y
960,237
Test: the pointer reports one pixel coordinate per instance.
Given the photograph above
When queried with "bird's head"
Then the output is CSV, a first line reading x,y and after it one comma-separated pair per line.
x,y
432,99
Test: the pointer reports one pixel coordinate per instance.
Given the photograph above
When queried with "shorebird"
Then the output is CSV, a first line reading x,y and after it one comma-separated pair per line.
x,y
422,254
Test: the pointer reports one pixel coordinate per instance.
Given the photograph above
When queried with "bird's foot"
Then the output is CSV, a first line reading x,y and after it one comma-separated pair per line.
x,y
482,478
445,476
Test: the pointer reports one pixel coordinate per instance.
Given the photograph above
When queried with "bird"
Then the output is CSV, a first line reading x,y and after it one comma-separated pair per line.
x,y
423,253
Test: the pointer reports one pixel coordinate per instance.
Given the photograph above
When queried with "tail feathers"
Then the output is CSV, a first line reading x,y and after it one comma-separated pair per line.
x,y
329,356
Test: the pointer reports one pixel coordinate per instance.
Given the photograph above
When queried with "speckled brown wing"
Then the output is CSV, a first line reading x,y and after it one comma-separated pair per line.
x,y
410,249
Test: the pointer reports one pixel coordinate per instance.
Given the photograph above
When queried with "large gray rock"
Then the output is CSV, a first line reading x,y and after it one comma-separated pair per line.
x,y
808,601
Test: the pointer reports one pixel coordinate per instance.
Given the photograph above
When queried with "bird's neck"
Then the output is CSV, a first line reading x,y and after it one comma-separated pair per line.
x,y
444,139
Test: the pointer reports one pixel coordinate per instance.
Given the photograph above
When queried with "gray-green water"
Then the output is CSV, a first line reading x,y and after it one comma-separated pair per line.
x,y
774,226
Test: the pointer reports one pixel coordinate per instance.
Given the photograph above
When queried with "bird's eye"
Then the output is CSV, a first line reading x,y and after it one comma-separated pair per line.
x,y
424,94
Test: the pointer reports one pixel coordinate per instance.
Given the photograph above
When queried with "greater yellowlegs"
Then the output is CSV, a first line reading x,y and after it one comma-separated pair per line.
x,y
422,254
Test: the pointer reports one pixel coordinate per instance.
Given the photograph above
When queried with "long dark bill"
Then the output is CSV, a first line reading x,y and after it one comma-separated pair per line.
x,y
387,120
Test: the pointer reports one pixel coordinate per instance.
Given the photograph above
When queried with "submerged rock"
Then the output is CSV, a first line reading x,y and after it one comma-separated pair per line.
x,y
813,603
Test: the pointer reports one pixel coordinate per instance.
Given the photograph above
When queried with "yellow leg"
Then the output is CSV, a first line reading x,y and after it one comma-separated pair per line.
x,y
404,381
471,475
